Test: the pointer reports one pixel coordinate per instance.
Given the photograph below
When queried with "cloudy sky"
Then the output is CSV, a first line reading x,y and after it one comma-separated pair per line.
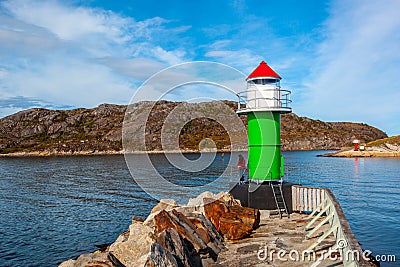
x,y
339,58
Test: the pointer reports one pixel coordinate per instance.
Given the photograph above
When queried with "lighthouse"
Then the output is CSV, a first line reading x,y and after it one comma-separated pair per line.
x,y
263,102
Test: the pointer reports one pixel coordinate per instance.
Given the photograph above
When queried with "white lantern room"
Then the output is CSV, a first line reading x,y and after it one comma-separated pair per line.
x,y
264,92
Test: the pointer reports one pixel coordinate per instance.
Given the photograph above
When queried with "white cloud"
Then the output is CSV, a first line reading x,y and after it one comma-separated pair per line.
x,y
355,76
94,31
4,111
223,51
3,73
137,68
76,55
170,57
68,23
71,83
254,40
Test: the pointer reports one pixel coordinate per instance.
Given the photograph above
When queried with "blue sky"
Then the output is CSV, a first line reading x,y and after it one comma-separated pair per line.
x,y
339,58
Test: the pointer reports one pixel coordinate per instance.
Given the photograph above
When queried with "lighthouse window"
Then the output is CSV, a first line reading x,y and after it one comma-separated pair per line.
x,y
268,81
264,81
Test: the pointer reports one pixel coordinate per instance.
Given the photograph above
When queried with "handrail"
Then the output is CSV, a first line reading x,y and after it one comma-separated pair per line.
x,y
307,198
322,200
281,99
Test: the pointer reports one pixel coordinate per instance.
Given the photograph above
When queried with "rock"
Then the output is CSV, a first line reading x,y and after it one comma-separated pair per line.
x,y
248,216
393,147
228,199
215,238
164,204
160,257
214,209
195,233
137,219
198,202
168,220
234,222
116,262
68,263
89,260
132,248
233,228
174,243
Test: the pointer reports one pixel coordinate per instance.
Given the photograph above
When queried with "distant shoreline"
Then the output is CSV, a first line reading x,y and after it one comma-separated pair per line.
x,y
101,153
362,154
113,152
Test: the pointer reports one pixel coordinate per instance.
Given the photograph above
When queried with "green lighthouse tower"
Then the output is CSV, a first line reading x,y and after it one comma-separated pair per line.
x,y
264,101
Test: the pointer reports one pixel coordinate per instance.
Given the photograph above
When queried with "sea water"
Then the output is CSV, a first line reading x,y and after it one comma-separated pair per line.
x,y
56,208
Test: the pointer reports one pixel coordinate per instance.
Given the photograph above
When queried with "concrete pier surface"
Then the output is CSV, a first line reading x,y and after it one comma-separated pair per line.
x,y
279,242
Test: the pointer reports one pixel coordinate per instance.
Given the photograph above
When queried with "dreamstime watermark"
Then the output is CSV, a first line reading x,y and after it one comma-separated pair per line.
x,y
335,253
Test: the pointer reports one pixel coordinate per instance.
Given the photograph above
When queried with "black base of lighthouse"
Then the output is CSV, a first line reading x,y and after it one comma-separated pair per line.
x,y
260,196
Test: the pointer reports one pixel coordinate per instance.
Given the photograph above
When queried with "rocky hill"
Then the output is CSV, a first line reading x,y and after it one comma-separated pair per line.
x,y
386,144
299,133
99,129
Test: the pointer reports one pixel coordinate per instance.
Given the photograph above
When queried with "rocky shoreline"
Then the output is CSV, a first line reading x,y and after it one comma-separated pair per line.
x,y
362,154
60,153
379,148
102,153
172,235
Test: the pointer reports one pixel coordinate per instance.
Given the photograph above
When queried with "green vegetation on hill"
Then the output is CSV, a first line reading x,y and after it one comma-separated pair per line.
x,y
388,142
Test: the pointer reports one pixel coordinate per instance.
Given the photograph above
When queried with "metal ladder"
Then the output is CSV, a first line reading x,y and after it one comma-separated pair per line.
x,y
279,198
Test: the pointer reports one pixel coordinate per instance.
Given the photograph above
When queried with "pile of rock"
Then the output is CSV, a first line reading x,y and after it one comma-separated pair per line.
x,y
172,235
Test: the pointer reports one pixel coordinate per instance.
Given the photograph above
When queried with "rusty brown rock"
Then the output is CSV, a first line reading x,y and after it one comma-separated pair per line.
x,y
168,220
213,209
234,222
233,228
215,243
249,216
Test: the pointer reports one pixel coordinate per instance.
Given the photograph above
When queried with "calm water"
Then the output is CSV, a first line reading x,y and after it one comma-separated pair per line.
x,y
56,208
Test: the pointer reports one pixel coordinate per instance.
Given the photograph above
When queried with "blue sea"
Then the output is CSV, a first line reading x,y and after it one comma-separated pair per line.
x,y
56,208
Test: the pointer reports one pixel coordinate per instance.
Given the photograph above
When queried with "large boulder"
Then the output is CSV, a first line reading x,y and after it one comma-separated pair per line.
x,y
164,204
89,260
192,239
214,209
133,247
234,222
171,241
216,240
197,203
177,221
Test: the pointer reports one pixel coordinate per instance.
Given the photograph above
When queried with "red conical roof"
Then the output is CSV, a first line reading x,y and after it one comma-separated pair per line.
x,y
263,70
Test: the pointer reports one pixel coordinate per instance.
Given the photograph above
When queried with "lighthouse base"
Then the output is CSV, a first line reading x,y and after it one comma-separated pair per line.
x,y
260,196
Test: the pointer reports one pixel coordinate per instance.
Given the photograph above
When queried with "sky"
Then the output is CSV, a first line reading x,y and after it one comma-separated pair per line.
x,y
339,58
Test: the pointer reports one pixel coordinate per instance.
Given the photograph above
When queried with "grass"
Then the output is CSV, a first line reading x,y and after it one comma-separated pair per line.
x,y
388,140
